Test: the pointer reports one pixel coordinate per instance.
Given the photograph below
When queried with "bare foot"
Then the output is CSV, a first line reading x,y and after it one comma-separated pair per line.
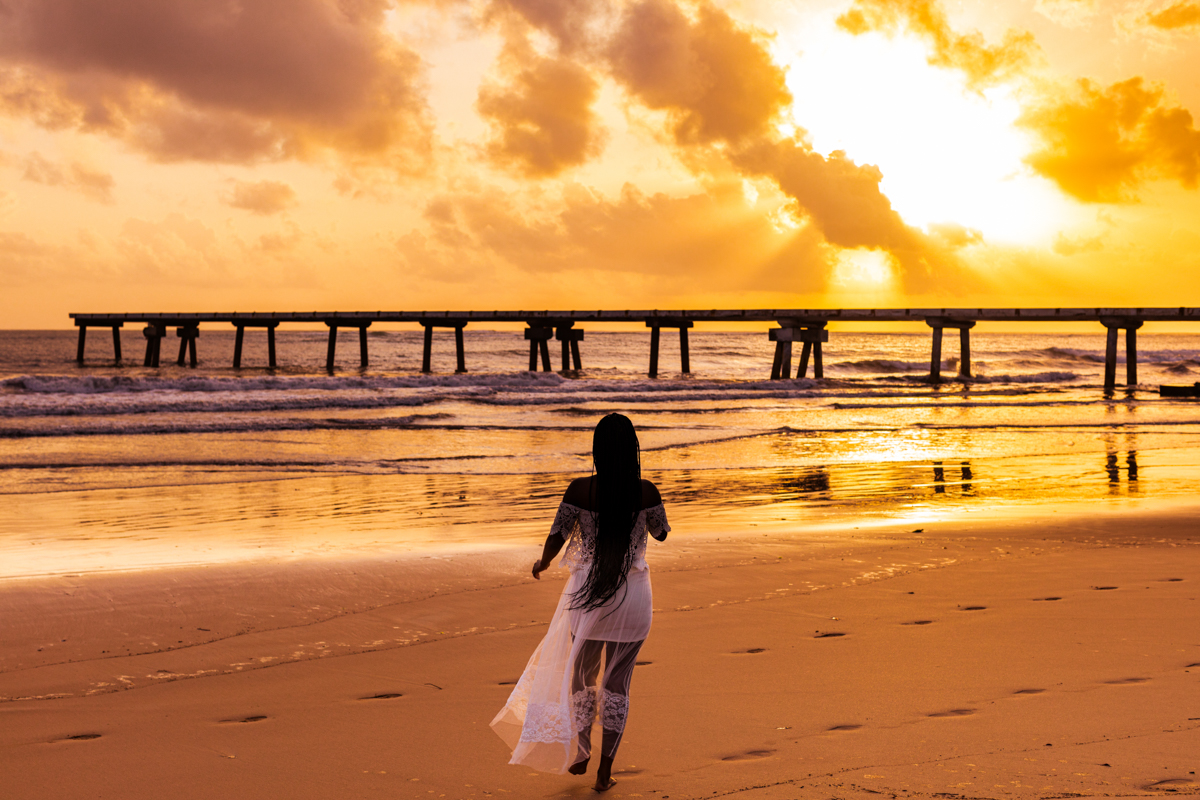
x,y
604,780
579,767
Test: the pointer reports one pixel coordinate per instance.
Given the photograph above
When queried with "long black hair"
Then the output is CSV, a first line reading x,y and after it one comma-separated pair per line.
x,y
618,486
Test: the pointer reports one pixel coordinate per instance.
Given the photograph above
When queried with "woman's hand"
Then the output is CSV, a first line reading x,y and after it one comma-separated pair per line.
x,y
538,568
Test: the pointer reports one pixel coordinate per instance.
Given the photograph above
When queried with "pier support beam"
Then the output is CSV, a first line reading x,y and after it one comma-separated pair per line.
x,y
1114,325
427,354
187,343
812,335
116,334
539,340
964,346
344,322
655,326
241,336
570,337
154,334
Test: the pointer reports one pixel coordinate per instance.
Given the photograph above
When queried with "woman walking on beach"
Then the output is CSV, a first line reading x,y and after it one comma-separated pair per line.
x,y
603,615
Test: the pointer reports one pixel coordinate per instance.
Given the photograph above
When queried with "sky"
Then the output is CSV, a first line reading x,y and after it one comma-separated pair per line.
x,y
286,155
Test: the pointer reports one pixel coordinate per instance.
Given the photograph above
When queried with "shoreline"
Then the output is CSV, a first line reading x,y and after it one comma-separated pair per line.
x,y
743,634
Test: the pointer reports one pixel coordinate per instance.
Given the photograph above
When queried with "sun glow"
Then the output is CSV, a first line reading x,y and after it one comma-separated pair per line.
x,y
948,154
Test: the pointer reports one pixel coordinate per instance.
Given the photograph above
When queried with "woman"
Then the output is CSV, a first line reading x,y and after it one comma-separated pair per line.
x,y
603,615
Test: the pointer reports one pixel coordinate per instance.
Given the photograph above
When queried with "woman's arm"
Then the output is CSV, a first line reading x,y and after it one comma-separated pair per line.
x,y
577,496
554,543
656,523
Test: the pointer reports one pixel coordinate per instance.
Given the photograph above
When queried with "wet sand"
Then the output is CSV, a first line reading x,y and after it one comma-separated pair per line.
x,y
1044,655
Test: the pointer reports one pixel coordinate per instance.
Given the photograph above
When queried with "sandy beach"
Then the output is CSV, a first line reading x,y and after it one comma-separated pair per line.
x,y
1044,655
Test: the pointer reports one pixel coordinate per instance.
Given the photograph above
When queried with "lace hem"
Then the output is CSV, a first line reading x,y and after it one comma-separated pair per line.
x,y
583,709
547,723
614,710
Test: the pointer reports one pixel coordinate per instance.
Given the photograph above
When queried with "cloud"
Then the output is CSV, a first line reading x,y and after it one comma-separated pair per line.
x,y
93,184
27,262
221,81
714,77
1099,144
843,201
263,197
180,249
955,235
541,117
572,23
711,241
983,64
1180,16
1066,246
1068,13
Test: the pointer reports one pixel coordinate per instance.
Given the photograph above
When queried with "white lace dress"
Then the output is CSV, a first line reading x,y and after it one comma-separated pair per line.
x,y
548,717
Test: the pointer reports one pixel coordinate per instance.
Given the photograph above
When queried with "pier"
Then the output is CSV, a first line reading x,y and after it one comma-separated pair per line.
x,y
807,326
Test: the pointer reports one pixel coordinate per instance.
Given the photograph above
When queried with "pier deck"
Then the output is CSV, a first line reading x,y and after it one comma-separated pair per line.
x,y
805,325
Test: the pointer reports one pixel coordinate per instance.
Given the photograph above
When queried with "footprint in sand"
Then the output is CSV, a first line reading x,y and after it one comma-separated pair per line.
x,y
828,635
974,608
845,727
1170,580
1046,599
507,683
749,755
642,663
954,712
76,737
1193,666
1126,681
1174,785
1029,691
382,696
1104,588
918,622
255,718
751,651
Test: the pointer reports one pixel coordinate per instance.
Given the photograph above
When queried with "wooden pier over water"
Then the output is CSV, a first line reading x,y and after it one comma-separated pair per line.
x,y
807,326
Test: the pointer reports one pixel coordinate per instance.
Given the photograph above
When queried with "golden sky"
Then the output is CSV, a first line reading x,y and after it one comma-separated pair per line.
x,y
220,155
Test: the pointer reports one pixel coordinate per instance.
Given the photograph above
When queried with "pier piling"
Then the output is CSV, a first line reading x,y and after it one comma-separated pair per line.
x,y
241,326
964,346
82,341
1115,325
116,334
154,335
346,322
655,325
187,343
539,341
570,337
427,352
811,335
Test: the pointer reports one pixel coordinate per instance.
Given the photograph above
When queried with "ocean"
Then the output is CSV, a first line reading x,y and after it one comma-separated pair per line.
x,y
108,467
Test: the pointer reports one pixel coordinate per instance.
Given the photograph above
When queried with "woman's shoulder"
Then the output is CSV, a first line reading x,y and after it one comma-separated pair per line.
x,y
579,492
650,495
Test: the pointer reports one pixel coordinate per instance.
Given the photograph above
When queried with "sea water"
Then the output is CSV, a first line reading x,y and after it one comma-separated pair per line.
x,y
106,466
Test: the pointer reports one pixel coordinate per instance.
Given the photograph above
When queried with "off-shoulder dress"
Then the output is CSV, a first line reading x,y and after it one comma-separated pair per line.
x,y
548,718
